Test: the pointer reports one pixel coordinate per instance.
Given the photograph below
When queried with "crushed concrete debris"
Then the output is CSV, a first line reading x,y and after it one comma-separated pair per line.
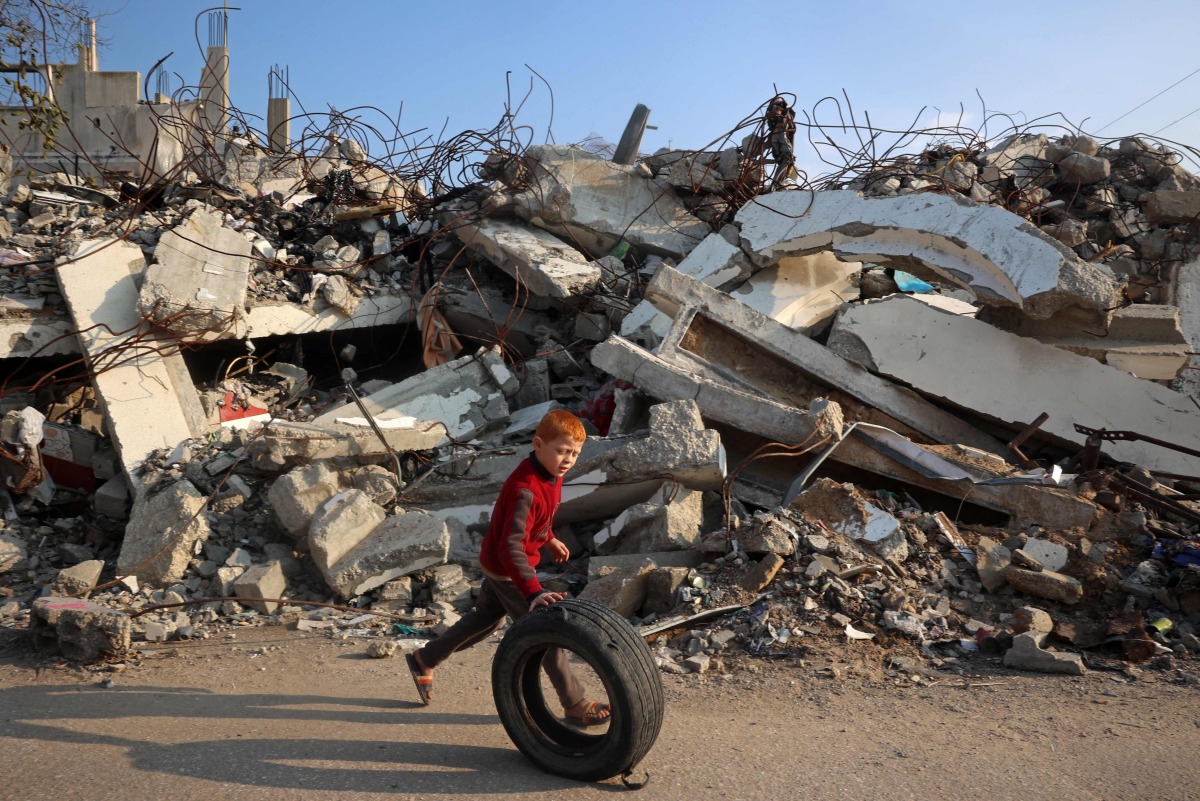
x,y
817,426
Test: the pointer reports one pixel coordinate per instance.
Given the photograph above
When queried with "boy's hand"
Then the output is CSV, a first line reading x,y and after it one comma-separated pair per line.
x,y
545,599
558,550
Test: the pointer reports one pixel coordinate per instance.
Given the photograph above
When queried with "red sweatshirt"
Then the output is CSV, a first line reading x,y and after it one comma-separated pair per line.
x,y
520,526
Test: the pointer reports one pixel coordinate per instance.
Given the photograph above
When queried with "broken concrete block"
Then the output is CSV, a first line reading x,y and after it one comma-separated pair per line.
x,y
1050,555
1044,584
669,381
148,396
843,508
457,595
164,527
12,551
766,534
991,560
155,631
445,576
78,629
662,589
111,499
1030,618
394,596
623,591
1000,257
600,566
1083,169
759,575
259,583
402,544
78,579
1166,206
196,289
670,521
536,259
278,319
465,394
297,495
378,482
340,524
1027,654
225,577
595,203
973,360
676,445
285,444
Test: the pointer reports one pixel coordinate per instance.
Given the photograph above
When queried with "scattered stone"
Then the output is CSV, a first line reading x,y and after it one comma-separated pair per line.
x,y
77,580
1030,618
761,574
382,649
1044,584
80,630
1027,654
260,583
165,525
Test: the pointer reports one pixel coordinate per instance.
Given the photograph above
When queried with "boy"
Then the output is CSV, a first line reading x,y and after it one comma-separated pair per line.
x,y
519,528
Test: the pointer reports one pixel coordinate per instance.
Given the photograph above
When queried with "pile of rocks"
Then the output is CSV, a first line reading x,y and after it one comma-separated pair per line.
x,y
690,337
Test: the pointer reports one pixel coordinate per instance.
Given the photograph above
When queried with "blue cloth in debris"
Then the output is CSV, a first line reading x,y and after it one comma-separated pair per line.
x,y
910,283
1178,552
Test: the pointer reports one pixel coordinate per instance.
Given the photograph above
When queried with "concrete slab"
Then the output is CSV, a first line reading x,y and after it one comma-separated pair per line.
x,y
537,259
465,394
765,357
283,445
776,422
668,380
197,286
1000,257
973,368
595,203
36,336
277,319
802,292
1144,339
1185,293
137,378
669,521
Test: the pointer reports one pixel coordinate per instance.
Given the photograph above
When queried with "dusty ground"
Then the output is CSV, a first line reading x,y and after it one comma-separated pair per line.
x,y
274,714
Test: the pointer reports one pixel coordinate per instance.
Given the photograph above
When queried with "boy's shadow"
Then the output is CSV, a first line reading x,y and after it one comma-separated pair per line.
x,y
405,763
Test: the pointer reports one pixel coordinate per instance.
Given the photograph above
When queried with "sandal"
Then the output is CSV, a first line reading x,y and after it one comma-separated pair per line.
x,y
594,714
424,683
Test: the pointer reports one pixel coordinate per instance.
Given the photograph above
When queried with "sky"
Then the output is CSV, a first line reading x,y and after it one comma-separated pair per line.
x,y
700,66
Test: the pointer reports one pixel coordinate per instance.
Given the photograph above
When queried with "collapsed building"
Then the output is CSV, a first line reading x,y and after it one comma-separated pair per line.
x,y
946,402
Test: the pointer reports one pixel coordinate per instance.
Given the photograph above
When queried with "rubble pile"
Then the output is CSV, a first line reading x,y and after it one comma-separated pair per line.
x,y
940,409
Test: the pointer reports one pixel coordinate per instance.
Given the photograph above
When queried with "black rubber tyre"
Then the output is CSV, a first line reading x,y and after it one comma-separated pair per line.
x,y
620,658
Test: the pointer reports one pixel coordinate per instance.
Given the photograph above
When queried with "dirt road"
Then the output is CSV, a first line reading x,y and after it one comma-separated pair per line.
x,y
274,715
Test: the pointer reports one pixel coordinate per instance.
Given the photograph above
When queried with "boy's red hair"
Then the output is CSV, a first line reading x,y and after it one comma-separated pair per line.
x,y
560,423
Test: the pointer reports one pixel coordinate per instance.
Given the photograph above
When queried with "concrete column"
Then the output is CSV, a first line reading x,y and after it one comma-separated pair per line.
x,y
214,88
279,134
631,140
